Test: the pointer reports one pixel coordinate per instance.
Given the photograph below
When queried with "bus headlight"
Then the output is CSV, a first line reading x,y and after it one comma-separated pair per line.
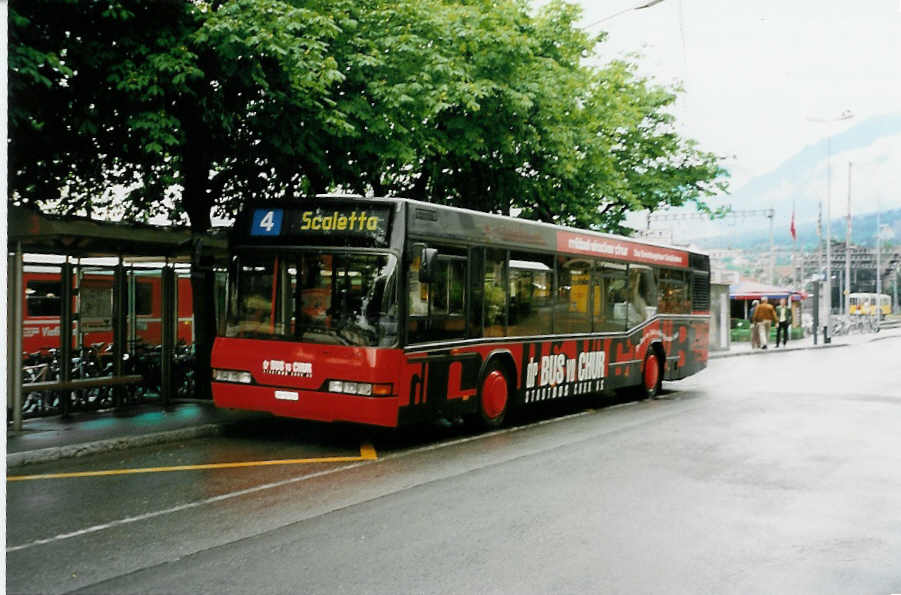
x,y
364,389
232,376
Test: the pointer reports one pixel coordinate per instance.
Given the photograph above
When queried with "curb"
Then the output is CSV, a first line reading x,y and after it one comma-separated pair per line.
x,y
55,453
883,337
774,350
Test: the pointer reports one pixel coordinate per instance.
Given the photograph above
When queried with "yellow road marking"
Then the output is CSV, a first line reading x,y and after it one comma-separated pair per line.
x,y
367,453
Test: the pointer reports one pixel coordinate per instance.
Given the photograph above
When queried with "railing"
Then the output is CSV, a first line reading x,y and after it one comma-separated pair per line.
x,y
94,385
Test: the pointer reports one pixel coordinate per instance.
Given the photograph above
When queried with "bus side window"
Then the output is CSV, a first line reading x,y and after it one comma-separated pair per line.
x,y
673,293
531,294
571,309
642,294
495,293
615,297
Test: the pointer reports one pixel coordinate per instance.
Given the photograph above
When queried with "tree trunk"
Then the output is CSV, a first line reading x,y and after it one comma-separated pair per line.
x,y
195,169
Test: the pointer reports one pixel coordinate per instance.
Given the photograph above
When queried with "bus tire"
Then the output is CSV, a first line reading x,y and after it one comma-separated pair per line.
x,y
651,375
494,395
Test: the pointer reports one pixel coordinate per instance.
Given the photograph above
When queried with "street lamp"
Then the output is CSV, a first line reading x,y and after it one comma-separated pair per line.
x,y
616,14
883,232
845,115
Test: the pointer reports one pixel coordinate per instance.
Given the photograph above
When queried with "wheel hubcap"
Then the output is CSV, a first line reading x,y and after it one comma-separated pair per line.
x,y
494,394
651,372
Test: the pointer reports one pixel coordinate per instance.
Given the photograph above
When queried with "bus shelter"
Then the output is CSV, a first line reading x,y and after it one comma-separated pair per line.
x,y
91,277
743,293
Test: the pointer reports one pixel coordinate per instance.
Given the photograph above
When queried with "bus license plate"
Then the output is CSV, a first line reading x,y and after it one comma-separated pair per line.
x,y
287,395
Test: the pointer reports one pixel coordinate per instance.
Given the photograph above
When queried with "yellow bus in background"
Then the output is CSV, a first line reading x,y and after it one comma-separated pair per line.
x,y
870,303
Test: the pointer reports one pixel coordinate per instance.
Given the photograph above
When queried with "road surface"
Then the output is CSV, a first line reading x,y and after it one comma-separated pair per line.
x,y
778,473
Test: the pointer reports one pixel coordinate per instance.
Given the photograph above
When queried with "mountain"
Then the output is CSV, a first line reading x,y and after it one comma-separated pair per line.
x,y
876,144
799,184
863,233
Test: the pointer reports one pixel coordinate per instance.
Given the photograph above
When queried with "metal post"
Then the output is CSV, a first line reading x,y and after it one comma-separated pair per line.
x,y
169,319
724,320
79,305
772,249
847,300
65,335
816,310
828,287
10,325
895,287
878,263
132,310
817,306
119,328
15,353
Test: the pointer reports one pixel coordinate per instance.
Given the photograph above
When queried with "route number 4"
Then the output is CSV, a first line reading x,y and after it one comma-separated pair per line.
x,y
268,221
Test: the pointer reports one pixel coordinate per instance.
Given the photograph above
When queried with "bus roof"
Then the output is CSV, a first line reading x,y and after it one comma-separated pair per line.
x,y
431,222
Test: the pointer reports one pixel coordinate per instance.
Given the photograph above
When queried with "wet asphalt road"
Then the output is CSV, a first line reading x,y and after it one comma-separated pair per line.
x,y
771,474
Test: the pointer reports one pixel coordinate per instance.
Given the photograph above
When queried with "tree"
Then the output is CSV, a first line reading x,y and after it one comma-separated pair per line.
x,y
186,108
185,105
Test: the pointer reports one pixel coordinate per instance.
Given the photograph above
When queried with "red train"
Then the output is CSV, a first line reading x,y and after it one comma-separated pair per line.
x,y
94,302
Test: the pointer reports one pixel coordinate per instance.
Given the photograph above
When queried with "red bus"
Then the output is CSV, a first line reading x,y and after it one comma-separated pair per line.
x,y
392,311
93,300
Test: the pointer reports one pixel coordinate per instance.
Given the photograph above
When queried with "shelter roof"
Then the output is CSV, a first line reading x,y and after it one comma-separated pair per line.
x,y
753,290
84,237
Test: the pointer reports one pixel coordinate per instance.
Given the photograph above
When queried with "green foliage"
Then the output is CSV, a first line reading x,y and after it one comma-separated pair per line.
x,y
190,107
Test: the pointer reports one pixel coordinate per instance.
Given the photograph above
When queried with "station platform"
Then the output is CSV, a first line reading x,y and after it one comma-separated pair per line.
x,y
50,438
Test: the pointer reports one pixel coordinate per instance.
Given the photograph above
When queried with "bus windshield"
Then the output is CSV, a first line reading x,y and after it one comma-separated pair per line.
x,y
341,298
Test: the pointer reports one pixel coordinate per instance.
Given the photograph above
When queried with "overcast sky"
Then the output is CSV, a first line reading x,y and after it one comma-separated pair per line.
x,y
755,72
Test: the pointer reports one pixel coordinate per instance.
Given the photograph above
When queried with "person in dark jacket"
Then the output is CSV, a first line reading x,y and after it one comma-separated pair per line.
x,y
783,322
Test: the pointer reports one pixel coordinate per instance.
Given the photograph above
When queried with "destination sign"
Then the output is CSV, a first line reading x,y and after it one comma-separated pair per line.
x,y
323,221
620,249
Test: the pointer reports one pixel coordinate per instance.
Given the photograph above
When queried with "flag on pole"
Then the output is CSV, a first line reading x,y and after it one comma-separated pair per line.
x,y
792,228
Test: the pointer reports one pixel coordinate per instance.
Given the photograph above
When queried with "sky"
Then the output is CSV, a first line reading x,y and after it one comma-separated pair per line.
x,y
756,74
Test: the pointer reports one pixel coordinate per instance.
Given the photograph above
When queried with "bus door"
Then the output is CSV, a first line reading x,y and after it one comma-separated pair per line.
x,y
609,298
438,313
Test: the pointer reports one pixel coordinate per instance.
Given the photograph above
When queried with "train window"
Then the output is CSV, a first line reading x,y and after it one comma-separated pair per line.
x,y
531,294
143,298
42,298
571,311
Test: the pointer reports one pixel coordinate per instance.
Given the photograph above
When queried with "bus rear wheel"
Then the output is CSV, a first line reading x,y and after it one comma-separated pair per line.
x,y
494,396
651,378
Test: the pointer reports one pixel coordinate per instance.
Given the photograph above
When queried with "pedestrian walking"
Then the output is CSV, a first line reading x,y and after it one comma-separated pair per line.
x,y
755,338
784,318
764,315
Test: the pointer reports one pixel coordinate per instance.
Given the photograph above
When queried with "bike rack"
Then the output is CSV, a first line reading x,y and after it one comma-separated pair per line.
x,y
33,232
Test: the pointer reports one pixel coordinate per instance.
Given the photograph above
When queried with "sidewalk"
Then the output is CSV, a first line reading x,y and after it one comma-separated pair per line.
x,y
744,348
52,438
